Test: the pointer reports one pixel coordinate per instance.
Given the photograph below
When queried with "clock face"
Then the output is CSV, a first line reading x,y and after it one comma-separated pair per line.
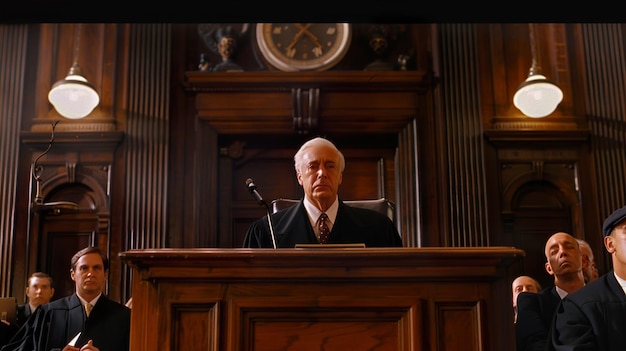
x,y
303,46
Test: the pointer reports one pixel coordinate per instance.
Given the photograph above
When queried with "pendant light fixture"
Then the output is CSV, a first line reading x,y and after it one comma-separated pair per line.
x,y
73,97
537,97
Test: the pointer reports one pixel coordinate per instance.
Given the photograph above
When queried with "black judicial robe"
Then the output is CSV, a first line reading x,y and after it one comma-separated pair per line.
x,y
54,325
6,333
534,318
23,312
592,318
353,225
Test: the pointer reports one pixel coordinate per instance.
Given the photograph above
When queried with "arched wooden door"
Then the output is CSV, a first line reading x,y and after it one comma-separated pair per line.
x,y
539,209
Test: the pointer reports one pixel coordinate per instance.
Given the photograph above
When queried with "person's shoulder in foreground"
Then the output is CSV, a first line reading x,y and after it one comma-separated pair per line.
x,y
535,311
594,317
319,167
523,283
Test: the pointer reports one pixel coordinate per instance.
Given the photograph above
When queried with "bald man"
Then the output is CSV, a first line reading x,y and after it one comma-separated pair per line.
x,y
523,283
535,311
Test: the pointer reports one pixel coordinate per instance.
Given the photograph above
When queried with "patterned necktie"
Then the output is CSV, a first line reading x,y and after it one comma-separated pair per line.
x,y
322,224
88,308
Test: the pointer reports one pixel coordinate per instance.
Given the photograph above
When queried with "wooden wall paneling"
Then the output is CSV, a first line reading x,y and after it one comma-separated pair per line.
x,y
375,112
406,176
603,47
13,63
181,218
585,169
247,112
206,204
58,245
462,144
147,125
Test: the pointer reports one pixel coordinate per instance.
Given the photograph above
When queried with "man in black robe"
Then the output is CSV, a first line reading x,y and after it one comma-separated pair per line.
x,y
319,167
86,320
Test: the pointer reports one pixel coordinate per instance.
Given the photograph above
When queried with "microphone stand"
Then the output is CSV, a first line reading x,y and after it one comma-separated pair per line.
x,y
252,189
269,220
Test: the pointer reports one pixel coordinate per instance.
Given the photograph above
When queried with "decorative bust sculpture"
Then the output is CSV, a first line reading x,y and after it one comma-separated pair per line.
x,y
223,39
379,42
227,46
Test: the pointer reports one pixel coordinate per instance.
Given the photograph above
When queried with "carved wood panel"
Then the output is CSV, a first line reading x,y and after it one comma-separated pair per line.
x,y
404,299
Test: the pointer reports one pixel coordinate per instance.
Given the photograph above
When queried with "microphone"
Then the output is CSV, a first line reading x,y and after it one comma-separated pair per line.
x,y
252,189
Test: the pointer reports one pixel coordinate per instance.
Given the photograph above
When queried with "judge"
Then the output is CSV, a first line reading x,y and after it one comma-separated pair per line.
x,y
321,217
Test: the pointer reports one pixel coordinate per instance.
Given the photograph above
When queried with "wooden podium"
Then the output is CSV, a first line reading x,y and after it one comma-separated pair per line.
x,y
327,299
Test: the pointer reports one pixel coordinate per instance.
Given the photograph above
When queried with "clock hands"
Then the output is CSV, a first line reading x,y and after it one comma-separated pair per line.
x,y
289,50
309,34
304,30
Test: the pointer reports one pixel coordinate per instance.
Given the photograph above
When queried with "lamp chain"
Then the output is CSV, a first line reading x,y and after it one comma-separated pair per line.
x,y
534,67
77,43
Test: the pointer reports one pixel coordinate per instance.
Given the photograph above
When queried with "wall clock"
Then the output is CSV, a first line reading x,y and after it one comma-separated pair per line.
x,y
303,46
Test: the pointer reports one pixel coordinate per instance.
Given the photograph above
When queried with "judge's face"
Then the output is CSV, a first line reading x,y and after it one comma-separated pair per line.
x,y
89,275
320,174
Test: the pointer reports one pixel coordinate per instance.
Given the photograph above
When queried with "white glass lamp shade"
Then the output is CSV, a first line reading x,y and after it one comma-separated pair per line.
x,y
73,97
537,97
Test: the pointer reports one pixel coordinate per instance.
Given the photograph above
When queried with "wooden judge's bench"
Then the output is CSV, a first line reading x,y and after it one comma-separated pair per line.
x,y
329,299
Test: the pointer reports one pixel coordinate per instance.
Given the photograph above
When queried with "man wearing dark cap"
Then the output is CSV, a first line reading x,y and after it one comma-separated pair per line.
x,y
594,317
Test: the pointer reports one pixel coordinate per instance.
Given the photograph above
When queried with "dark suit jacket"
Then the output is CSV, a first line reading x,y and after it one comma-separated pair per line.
x,y
53,325
534,318
352,225
592,318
